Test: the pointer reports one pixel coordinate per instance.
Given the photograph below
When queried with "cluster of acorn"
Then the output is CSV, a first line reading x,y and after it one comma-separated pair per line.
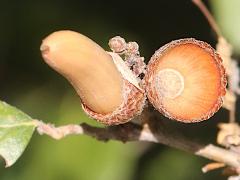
x,y
185,79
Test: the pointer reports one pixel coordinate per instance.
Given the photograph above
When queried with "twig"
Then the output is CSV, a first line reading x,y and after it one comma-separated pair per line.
x,y
151,131
208,15
218,154
58,132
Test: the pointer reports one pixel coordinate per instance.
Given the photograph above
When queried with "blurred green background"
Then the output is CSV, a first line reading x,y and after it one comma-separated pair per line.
x,y
29,84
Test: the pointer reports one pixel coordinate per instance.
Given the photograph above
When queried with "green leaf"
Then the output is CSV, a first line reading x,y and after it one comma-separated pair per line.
x,y
16,129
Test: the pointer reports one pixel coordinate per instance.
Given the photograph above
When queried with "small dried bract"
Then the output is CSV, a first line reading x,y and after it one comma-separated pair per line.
x,y
117,44
131,54
229,134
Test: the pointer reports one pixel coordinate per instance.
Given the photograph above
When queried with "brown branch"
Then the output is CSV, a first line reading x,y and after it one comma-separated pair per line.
x,y
151,131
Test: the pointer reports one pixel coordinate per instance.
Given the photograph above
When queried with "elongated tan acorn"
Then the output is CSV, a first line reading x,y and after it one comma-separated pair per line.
x,y
186,80
108,90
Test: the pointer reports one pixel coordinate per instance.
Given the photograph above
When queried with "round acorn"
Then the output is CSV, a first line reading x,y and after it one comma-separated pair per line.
x,y
186,80
109,91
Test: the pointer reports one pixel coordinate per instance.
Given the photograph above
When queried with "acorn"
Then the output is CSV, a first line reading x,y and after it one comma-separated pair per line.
x,y
186,81
109,91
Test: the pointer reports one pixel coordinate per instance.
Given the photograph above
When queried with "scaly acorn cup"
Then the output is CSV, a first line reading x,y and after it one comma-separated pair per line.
x,y
109,91
186,80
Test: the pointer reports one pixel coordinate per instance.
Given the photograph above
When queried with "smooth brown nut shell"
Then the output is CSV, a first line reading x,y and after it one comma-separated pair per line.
x,y
186,80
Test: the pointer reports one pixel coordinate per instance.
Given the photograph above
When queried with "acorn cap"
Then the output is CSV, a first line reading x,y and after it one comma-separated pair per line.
x,y
186,80
107,94
133,97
